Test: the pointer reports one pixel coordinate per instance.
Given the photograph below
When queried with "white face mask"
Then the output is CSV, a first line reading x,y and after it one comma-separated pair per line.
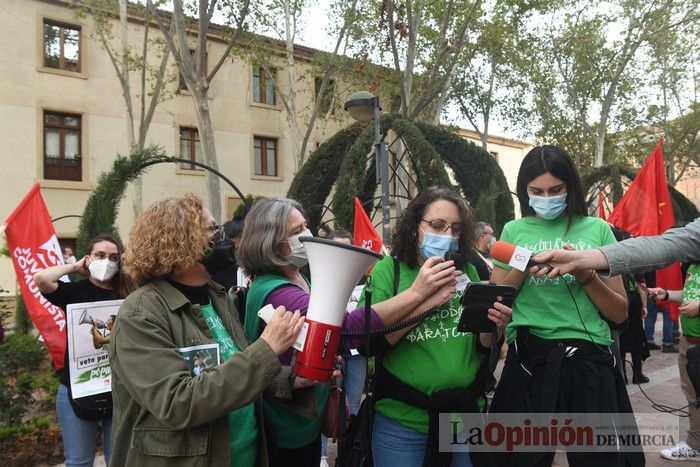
x,y
298,257
103,269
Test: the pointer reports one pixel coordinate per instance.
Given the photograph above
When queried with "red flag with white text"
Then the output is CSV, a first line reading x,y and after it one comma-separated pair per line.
x,y
647,209
364,234
33,246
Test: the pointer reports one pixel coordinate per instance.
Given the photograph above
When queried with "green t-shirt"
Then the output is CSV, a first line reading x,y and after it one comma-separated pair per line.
x,y
691,293
433,355
545,305
243,426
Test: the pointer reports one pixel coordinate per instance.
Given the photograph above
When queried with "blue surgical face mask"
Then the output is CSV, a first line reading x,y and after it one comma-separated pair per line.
x,y
437,244
548,207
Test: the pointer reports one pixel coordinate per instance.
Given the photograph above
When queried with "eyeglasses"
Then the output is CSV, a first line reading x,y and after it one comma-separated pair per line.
x,y
442,226
217,231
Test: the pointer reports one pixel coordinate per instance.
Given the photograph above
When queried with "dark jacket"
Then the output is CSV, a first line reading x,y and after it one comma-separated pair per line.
x,y
163,416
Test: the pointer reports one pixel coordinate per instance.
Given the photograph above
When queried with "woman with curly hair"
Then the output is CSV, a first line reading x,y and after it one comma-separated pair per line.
x,y
164,414
431,367
271,253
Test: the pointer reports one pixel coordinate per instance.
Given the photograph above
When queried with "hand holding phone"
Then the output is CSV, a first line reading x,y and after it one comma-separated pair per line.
x,y
477,299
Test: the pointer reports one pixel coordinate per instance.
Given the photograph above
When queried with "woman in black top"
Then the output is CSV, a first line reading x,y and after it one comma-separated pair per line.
x,y
101,267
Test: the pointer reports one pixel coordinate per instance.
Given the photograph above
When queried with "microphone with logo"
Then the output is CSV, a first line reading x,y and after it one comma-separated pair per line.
x,y
521,258
514,256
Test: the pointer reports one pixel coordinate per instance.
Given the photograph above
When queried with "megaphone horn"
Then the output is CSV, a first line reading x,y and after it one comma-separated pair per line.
x,y
336,268
85,319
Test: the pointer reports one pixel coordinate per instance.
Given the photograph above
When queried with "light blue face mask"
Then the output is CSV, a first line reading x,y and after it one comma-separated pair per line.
x,y
548,207
437,245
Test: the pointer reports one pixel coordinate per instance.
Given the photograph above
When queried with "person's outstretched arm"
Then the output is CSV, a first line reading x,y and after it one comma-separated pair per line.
x,y
634,255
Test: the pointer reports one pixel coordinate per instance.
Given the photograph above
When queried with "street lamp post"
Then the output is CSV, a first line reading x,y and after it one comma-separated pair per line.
x,y
363,106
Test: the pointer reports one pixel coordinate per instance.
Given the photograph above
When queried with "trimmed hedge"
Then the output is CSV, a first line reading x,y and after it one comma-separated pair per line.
x,y
102,207
347,162
475,170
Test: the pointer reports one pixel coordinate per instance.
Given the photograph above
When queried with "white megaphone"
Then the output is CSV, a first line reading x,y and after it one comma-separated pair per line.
x,y
336,268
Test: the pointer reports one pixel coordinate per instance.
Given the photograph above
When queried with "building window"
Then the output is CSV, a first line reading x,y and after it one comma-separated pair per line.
x,y
263,89
62,142
327,99
61,46
265,156
190,148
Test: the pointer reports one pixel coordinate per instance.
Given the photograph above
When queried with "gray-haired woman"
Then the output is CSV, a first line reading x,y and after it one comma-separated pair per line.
x,y
271,253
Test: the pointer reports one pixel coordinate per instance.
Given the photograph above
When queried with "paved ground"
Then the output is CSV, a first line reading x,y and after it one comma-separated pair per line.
x,y
664,388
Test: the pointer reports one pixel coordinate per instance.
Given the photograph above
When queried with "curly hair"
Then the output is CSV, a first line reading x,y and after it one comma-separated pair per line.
x,y
168,235
405,236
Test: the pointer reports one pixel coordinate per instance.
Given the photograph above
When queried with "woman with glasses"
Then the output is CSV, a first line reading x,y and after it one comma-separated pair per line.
x,y
559,358
167,410
432,361
271,253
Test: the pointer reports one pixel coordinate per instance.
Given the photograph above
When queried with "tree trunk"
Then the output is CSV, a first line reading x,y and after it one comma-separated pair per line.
x,y
294,132
206,138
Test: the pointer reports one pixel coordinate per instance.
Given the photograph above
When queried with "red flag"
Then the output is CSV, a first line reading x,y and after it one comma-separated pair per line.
x,y
601,207
646,209
33,246
363,231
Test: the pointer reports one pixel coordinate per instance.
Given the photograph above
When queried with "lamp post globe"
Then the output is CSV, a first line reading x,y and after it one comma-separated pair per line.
x,y
361,106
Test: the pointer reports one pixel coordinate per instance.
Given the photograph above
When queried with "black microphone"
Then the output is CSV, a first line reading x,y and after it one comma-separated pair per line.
x,y
457,258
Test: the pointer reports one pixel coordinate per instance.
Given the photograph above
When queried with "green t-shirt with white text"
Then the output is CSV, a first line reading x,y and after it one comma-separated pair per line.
x,y
430,357
545,305
691,293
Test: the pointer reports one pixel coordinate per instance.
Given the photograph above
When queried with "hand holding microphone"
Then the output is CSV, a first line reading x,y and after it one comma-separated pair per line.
x,y
433,275
516,257
570,261
553,263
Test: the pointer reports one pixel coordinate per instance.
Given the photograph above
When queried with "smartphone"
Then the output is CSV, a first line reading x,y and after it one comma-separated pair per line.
x,y
477,299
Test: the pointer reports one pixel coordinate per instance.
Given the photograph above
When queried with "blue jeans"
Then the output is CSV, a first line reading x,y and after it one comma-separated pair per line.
x,y
355,374
80,436
652,310
396,445
354,379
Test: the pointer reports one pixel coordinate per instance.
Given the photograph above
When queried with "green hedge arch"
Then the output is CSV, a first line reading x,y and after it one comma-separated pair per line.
x,y
347,163
683,208
356,177
314,180
102,207
475,170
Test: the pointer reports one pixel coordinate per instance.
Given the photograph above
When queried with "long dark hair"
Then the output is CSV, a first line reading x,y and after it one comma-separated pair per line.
x,y
405,236
556,161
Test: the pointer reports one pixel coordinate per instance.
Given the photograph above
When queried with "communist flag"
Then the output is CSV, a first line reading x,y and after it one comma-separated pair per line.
x,y
33,246
646,209
363,231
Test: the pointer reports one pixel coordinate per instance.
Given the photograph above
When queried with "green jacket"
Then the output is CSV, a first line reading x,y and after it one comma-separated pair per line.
x,y
162,415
